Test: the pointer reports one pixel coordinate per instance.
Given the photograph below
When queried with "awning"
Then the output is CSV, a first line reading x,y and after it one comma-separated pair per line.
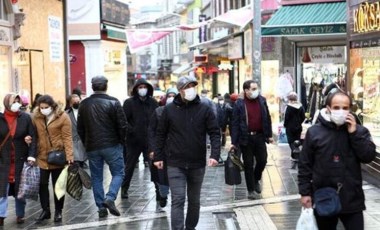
x,y
307,19
184,69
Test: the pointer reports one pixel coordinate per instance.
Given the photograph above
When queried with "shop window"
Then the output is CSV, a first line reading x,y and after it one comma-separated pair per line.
x,y
3,11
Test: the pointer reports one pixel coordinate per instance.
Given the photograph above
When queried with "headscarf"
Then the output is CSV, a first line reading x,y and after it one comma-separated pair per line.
x,y
9,99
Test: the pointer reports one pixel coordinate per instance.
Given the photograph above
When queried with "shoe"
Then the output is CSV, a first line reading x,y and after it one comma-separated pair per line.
x,y
110,205
20,220
163,201
294,164
251,195
146,164
2,221
124,193
58,216
103,212
258,186
158,208
45,214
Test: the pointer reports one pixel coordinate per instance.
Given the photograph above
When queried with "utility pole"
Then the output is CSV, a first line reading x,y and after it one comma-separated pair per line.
x,y
256,40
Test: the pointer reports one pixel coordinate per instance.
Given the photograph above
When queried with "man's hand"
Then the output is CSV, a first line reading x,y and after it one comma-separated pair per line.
x,y
212,162
270,140
28,140
159,164
306,201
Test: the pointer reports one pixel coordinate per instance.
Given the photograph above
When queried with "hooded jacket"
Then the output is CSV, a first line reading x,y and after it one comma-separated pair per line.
x,y
138,112
294,116
330,155
182,131
59,131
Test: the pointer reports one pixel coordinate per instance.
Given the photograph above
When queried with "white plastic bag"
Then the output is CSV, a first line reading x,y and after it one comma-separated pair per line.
x,y
60,184
307,220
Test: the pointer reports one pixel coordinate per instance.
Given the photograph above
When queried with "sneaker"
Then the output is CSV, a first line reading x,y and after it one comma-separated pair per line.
x,y
258,186
103,212
251,195
110,205
163,201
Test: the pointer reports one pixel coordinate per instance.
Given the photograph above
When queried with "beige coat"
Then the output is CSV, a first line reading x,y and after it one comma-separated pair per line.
x,y
60,135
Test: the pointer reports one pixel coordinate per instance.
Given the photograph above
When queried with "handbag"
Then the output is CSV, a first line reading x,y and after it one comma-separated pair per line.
x,y
232,174
55,157
85,178
74,184
327,201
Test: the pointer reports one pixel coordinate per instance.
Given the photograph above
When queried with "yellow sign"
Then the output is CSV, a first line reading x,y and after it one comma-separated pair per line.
x,y
367,17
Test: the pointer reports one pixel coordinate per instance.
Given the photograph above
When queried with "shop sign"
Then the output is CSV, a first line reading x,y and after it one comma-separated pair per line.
x,y
366,17
304,30
235,48
327,54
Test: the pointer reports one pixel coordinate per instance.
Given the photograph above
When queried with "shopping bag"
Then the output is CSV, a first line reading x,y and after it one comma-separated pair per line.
x,y
30,182
305,126
85,178
74,185
306,221
60,184
282,138
232,174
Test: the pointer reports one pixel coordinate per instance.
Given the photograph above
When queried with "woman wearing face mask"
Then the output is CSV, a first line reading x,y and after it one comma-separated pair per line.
x,y
18,145
332,153
159,176
54,133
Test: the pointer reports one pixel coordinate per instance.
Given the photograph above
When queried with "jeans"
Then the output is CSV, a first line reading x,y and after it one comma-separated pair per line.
x,y
20,206
255,150
113,156
182,181
44,189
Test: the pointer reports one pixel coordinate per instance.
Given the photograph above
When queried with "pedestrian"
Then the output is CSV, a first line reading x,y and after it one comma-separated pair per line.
x,y
80,155
18,145
293,119
251,130
332,153
138,109
159,176
221,110
182,130
53,127
101,127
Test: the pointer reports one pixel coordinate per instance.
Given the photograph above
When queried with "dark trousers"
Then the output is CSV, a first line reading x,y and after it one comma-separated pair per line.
x,y
223,135
351,221
131,157
182,182
44,189
254,151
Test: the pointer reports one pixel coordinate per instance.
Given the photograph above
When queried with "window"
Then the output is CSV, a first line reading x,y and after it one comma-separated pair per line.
x,y
3,11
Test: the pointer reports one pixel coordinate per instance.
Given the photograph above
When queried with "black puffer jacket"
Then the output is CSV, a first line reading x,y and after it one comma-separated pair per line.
x,y
101,122
138,112
330,155
183,127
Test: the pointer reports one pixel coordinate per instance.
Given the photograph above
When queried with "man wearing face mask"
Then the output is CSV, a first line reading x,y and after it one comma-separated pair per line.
x,y
80,155
182,132
251,129
332,153
138,109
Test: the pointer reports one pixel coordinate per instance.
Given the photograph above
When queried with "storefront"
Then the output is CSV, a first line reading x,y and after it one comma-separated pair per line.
x,y
364,62
314,47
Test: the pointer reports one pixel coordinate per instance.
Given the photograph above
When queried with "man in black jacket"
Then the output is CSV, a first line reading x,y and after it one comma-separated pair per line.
x,y
101,127
251,129
182,131
138,109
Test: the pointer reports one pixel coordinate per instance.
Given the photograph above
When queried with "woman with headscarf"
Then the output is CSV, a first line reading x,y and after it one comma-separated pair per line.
x,y
18,145
53,127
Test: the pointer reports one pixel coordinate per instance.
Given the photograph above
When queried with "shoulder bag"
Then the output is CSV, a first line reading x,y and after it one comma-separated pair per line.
x,y
55,157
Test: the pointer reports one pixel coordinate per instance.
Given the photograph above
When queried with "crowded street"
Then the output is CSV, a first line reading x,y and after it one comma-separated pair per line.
x,y
223,207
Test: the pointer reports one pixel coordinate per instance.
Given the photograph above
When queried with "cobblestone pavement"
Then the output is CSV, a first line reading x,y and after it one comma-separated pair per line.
x,y
222,206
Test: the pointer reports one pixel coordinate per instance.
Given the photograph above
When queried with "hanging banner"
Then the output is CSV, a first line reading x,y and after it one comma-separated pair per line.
x,y
327,54
141,38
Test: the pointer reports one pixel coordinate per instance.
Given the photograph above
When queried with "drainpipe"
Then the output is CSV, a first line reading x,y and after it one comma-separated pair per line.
x,y
66,50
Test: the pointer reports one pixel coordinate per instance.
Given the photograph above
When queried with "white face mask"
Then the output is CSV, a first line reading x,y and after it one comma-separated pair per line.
x,y
338,116
221,102
169,100
142,92
203,95
254,94
190,94
46,111
15,107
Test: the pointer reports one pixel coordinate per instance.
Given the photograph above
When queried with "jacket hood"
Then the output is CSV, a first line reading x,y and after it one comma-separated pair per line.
x,y
324,118
296,105
57,112
140,82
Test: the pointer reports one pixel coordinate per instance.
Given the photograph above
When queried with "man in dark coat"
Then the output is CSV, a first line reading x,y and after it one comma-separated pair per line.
x,y
138,109
182,130
332,153
251,130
